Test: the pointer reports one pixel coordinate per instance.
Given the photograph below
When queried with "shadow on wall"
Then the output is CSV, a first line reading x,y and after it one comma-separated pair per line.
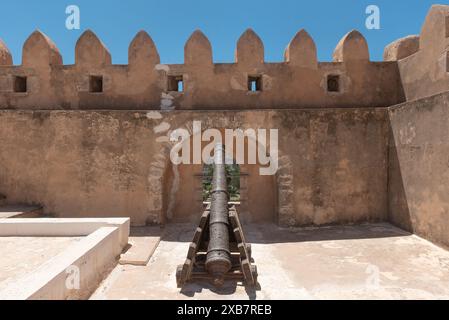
x,y
398,209
419,167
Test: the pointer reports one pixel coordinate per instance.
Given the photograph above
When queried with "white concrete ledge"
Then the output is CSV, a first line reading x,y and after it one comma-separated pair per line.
x,y
93,256
65,227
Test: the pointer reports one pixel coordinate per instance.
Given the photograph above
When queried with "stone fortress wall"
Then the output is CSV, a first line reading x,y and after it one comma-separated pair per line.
x,y
359,140
93,82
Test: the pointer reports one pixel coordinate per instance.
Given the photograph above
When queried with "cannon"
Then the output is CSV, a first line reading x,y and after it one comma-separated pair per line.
x,y
219,251
218,260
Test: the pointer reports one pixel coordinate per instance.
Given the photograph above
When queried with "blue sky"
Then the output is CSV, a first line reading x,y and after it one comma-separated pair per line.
x,y
170,24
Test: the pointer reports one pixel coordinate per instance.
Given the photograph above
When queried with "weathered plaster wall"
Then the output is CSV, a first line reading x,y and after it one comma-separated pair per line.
x,y
338,163
419,167
333,163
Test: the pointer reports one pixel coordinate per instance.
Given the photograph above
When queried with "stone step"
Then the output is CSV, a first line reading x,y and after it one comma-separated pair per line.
x,y
143,242
20,211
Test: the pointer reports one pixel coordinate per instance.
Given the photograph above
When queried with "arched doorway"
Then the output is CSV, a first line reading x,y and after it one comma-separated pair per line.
x,y
253,194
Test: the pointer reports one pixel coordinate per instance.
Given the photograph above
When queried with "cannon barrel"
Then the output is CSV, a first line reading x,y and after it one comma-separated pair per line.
x,y
218,261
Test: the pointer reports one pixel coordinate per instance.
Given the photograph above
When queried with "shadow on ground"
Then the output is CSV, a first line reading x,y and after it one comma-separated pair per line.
x,y
270,233
228,289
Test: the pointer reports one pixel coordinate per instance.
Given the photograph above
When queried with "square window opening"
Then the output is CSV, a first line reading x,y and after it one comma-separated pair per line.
x,y
333,83
254,83
175,84
20,84
96,84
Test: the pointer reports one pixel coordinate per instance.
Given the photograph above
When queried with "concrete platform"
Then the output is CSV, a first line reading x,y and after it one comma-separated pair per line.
x,y
42,257
23,255
372,261
143,241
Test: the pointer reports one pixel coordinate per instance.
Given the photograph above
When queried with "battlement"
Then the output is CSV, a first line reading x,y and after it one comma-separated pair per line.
x,y
42,81
423,60
93,82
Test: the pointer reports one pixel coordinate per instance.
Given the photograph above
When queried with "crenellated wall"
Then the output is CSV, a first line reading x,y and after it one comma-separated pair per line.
x,y
414,67
424,60
300,81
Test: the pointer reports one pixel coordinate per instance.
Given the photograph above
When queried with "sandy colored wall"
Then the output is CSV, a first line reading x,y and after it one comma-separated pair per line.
x,y
338,164
219,87
333,164
298,82
419,167
426,72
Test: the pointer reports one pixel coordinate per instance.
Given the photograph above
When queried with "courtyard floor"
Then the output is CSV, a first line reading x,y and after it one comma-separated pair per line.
x,y
22,255
371,261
